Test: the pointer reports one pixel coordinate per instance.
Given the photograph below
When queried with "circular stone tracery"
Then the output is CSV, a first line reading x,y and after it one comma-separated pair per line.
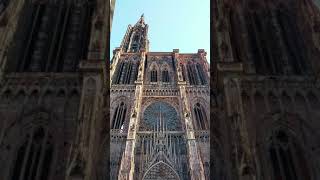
x,y
168,114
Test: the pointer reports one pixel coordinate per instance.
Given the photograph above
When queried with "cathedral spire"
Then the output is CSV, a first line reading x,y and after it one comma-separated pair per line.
x,y
141,21
136,37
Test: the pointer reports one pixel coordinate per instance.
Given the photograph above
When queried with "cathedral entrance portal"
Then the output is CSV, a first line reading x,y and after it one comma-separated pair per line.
x,y
161,171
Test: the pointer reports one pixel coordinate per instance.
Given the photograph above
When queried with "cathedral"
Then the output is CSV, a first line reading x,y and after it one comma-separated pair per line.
x,y
71,111
159,111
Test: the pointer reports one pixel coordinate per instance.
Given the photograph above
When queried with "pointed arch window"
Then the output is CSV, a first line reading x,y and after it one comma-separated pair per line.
x,y
286,158
254,43
119,73
127,73
34,157
134,47
294,44
52,36
192,74
200,117
154,75
183,71
201,74
119,116
235,37
165,75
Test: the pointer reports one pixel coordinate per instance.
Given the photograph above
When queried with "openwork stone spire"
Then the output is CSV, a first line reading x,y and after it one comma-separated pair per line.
x,y
136,37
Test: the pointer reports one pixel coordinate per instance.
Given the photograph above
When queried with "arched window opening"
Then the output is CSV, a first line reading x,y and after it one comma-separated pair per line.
x,y
154,75
200,117
134,47
51,37
264,43
273,43
119,72
183,71
134,72
254,44
235,38
262,38
286,158
291,35
34,157
161,170
201,74
165,76
119,116
160,110
192,75
127,73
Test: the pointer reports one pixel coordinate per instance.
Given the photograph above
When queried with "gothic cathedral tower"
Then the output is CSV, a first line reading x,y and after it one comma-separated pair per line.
x,y
159,111
51,64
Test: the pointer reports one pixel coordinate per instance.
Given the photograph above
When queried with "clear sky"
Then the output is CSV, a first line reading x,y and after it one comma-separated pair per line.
x,y
173,24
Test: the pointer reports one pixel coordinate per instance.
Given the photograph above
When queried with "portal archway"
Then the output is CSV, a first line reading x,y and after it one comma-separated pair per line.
x,y
161,171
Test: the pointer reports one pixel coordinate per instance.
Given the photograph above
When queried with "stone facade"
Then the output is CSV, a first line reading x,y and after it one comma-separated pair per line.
x,y
54,95
265,89
51,88
159,111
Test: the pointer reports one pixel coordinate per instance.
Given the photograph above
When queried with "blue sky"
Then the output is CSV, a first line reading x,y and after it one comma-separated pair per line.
x,y
173,24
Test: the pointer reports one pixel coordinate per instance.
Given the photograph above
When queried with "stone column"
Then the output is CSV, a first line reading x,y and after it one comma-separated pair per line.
x,y
242,153
99,31
195,163
84,152
126,171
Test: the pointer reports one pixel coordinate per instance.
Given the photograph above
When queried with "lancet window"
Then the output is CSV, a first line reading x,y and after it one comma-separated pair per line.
x,y
264,40
165,76
192,75
235,38
183,71
292,39
200,117
118,73
286,158
34,156
201,74
119,116
52,37
126,72
154,75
